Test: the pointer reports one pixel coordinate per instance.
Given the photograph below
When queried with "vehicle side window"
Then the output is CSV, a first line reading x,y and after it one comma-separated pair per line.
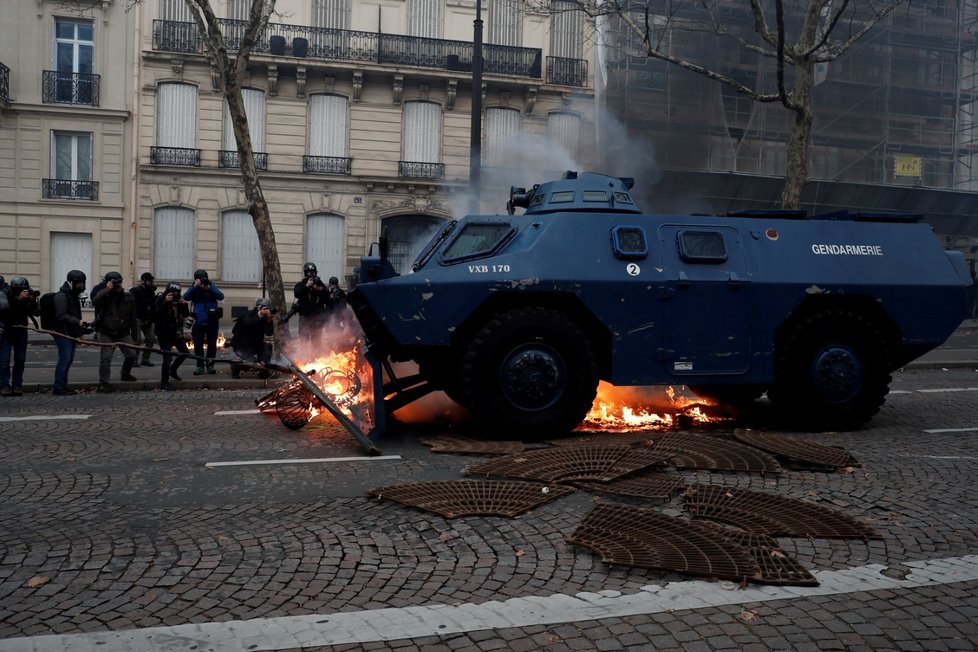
x,y
701,246
477,239
562,197
629,242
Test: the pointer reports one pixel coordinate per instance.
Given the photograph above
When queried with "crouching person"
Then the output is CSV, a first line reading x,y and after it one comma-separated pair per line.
x,y
169,315
249,332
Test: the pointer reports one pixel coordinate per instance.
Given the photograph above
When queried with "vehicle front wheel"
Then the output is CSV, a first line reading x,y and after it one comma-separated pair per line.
x,y
529,372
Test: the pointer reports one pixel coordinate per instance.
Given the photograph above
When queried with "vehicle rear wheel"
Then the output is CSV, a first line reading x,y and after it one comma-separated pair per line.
x,y
832,370
530,372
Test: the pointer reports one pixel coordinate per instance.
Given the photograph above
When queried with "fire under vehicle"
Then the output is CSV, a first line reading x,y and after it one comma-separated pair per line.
x,y
518,316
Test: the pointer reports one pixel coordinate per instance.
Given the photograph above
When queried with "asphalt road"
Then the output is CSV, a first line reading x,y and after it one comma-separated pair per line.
x,y
115,534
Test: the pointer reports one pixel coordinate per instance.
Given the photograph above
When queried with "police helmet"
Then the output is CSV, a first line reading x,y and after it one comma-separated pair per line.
x,y
309,269
75,276
263,303
18,284
173,288
333,280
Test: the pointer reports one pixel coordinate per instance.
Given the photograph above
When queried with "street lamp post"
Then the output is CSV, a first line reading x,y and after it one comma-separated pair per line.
x,y
475,149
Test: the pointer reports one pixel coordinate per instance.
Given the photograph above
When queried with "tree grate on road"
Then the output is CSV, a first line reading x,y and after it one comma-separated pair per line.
x,y
455,498
796,450
642,484
698,451
775,565
770,514
605,439
468,445
570,463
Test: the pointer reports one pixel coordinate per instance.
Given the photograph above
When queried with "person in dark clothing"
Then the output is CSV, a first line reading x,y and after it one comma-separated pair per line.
x,y
18,302
169,315
312,302
145,296
337,297
68,321
116,323
204,296
250,330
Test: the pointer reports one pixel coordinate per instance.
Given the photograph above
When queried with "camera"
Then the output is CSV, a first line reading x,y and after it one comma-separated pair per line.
x,y
318,282
35,293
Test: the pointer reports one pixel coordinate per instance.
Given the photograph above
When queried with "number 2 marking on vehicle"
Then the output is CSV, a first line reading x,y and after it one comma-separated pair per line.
x,y
633,269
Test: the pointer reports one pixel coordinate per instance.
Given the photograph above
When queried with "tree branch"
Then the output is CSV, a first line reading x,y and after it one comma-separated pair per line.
x,y
760,23
836,51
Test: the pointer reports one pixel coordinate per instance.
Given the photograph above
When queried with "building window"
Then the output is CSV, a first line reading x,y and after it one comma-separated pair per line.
x,y
176,10
71,167
254,105
74,45
506,22
566,30
421,132
69,251
329,118
238,9
406,237
564,130
426,18
240,253
331,13
325,244
501,137
173,243
176,125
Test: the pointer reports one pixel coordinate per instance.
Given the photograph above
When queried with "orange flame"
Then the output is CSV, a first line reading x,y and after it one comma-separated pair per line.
x,y
623,409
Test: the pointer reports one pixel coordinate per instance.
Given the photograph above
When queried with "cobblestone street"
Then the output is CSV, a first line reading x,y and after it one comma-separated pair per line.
x,y
115,536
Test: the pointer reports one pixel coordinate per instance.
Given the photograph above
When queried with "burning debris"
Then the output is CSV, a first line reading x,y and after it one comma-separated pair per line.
x,y
627,409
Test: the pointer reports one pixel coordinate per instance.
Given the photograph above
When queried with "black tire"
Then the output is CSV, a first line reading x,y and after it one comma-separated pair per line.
x,y
529,372
832,370
736,395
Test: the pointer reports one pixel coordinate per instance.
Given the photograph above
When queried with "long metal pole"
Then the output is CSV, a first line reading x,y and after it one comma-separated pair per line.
x,y
475,149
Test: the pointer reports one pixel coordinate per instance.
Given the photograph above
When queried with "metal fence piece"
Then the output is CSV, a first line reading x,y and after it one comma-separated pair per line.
x,y
451,444
795,449
698,451
631,536
776,566
455,498
567,464
643,484
773,515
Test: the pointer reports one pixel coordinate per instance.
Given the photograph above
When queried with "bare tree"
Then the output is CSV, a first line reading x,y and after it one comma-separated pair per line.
x,y
796,36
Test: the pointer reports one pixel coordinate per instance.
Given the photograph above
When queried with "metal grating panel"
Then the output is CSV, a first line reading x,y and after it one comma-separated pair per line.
x,y
639,537
609,439
697,451
773,515
451,444
455,498
569,463
776,566
797,450
644,484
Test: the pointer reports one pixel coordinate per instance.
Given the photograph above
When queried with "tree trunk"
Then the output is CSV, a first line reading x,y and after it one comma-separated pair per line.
x,y
796,173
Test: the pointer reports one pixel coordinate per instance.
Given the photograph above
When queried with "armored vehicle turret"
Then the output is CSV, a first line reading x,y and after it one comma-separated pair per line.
x,y
518,316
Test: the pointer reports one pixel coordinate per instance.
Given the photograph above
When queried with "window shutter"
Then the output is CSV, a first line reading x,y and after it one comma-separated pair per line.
x,y
426,18
328,125
240,253
239,9
173,243
421,132
175,10
176,115
502,129
70,251
566,30
506,22
254,103
325,240
565,130
331,13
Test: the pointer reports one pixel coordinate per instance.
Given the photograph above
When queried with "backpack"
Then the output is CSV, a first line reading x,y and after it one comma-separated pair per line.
x,y
49,318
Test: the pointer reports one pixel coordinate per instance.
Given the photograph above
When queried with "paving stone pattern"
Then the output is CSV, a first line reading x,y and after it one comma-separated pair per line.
x,y
120,526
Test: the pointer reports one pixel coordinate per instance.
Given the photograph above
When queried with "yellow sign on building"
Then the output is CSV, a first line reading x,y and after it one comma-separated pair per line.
x,y
907,165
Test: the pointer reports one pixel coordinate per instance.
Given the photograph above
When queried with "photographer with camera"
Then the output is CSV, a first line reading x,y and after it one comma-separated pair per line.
x,y
145,296
207,314
17,302
311,302
249,333
68,321
115,323
337,297
169,315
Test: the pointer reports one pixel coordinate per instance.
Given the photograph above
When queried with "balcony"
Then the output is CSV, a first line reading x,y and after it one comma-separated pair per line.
x,y
326,164
69,88
4,83
69,189
229,159
174,156
415,170
567,72
328,44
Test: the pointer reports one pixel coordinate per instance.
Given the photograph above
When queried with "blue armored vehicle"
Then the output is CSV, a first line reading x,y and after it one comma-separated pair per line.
x,y
517,317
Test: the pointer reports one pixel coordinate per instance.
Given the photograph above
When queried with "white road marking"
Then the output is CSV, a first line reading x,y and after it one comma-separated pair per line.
x,y
311,460
942,457
900,391
442,620
937,430
947,389
224,413
46,417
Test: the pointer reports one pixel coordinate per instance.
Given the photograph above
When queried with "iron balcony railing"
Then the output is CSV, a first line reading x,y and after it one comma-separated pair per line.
x,y
566,72
416,170
69,189
69,87
330,44
4,83
174,156
229,159
326,164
